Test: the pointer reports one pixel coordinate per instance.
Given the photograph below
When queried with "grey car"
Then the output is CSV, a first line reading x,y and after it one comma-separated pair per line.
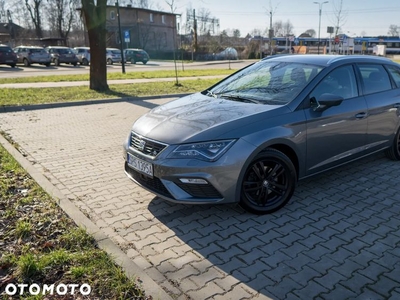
x,y
62,55
83,54
32,55
252,136
113,55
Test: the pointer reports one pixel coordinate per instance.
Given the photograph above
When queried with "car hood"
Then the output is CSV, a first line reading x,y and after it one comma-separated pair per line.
x,y
198,117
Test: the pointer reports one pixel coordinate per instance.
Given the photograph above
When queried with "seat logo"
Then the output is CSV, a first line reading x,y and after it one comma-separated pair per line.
x,y
142,145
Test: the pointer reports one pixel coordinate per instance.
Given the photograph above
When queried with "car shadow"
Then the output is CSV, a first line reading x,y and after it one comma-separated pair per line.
x,y
8,68
277,253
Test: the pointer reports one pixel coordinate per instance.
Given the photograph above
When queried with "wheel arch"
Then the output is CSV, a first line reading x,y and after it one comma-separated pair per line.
x,y
284,148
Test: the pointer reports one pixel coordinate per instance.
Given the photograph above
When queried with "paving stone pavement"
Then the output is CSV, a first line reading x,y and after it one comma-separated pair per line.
x,y
338,238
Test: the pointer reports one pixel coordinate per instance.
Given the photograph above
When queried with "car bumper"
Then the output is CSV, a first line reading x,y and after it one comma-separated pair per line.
x,y
215,182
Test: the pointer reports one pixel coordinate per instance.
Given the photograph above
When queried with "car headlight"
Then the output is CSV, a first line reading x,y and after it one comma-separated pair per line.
x,y
208,151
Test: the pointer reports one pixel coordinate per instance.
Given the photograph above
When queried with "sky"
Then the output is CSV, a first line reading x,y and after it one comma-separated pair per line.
x,y
362,17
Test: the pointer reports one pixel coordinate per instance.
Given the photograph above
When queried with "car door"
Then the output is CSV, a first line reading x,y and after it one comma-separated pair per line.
x,y
336,134
382,94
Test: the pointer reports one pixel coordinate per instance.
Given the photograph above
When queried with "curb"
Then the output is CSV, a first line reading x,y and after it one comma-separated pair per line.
x,y
7,109
130,268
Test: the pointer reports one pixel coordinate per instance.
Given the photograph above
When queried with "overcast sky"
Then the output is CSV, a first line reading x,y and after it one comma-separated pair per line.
x,y
369,17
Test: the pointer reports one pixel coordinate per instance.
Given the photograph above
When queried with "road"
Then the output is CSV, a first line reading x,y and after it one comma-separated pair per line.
x,y
39,70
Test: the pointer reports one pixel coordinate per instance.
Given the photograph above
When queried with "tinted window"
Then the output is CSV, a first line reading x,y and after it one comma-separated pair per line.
x,y
375,78
395,72
5,49
341,82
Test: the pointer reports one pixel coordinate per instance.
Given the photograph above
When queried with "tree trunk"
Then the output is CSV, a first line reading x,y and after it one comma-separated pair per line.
x,y
95,20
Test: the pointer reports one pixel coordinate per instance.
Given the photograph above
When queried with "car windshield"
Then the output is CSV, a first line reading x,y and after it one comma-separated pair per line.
x,y
266,82
115,51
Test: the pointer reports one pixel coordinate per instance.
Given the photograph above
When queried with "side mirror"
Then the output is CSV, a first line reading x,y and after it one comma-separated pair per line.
x,y
325,101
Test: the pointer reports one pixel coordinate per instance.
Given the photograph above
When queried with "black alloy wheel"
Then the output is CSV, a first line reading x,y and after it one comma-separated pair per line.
x,y
268,183
394,151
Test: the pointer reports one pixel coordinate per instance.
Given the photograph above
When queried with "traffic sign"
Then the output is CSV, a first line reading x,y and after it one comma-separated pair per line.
x,y
296,41
127,36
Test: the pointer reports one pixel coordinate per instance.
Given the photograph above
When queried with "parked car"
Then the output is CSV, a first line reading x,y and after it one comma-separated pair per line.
x,y
83,54
7,56
113,55
252,136
135,55
32,55
62,55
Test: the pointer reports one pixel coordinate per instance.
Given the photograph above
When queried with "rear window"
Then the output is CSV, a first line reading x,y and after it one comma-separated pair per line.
x,y
35,50
5,49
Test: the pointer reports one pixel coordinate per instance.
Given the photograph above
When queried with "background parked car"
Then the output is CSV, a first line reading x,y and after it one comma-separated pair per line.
x,y
136,55
32,55
7,56
83,54
113,55
62,55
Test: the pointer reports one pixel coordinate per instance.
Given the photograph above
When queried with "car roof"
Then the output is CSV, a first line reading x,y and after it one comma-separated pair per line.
x,y
326,60
58,47
31,47
81,47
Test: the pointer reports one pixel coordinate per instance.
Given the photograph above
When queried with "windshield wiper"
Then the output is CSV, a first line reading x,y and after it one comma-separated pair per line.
x,y
211,94
239,98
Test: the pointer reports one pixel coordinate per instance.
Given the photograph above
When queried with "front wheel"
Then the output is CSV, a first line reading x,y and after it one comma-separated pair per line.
x,y
268,183
394,151
109,61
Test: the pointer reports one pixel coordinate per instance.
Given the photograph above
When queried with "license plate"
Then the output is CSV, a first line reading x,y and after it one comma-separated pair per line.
x,y
9,61
140,165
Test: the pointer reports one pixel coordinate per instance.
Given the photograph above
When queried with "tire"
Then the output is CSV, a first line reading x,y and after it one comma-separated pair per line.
x,y
12,66
74,64
85,62
109,61
47,64
56,62
394,151
133,61
144,62
268,182
26,62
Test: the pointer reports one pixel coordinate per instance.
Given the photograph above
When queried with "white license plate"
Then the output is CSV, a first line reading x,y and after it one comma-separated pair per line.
x,y
140,165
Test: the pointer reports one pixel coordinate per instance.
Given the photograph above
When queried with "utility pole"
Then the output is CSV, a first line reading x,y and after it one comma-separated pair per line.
x,y
271,32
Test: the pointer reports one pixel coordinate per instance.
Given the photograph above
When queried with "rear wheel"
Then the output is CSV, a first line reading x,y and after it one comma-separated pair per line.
x,y
26,62
12,66
85,62
268,183
394,151
109,61
56,62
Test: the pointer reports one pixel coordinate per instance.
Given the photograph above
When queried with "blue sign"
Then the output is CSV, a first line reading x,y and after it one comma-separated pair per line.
x,y
127,36
296,41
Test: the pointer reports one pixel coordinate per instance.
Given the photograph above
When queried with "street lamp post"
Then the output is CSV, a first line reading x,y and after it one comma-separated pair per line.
x,y
319,26
120,39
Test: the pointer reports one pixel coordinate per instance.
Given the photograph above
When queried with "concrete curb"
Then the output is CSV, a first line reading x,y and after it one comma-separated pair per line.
x,y
130,268
7,109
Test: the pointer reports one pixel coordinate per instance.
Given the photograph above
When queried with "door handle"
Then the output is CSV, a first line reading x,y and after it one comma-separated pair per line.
x,y
361,115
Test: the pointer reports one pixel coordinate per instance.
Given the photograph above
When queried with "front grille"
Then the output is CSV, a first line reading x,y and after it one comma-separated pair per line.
x,y
153,184
146,146
199,190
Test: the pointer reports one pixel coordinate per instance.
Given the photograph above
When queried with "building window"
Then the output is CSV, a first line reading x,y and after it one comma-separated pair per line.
x,y
163,19
151,18
112,15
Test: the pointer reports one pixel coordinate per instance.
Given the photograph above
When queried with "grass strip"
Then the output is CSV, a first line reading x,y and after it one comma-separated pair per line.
x,y
118,75
29,96
40,244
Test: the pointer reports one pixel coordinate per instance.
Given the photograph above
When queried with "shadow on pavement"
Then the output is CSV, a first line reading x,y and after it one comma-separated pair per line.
x,y
326,239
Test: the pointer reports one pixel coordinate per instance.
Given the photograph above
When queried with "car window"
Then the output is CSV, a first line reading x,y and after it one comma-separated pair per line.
x,y
375,78
395,72
5,49
341,82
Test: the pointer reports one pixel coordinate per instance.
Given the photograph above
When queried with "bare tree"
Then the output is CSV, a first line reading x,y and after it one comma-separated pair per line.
x,y
95,20
340,16
34,8
62,16
311,32
394,30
